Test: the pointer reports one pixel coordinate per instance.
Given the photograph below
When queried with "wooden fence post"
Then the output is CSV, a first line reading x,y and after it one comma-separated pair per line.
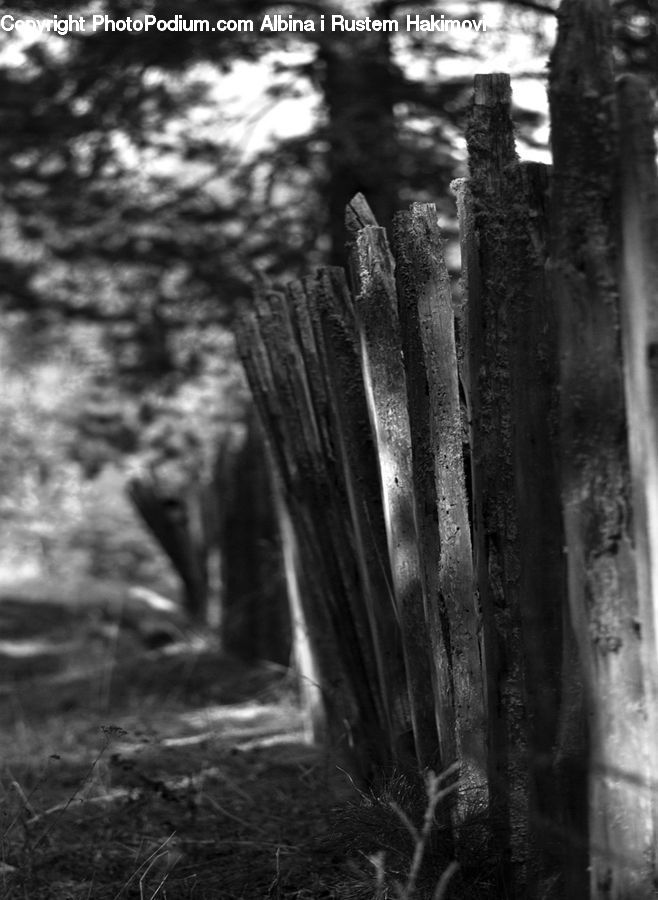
x,y
277,391
425,491
255,623
283,351
381,570
428,341
354,624
596,485
307,666
176,523
333,316
511,373
638,207
384,377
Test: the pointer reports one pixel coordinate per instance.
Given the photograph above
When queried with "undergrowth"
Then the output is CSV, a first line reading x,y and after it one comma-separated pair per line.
x,y
185,776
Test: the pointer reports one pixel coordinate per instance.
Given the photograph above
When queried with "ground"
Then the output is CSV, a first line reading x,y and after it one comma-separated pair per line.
x,y
170,772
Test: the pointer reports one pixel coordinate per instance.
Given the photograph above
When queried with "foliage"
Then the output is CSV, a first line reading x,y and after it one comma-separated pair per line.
x,y
135,217
636,38
54,522
122,143
38,489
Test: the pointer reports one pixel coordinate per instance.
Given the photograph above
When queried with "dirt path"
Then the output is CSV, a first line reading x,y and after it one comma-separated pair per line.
x,y
135,774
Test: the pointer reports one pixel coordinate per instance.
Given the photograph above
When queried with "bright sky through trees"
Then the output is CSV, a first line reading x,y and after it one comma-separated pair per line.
x,y
515,42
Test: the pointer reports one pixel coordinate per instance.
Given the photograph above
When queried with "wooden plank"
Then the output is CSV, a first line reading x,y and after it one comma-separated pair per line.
x,y
511,368
171,521
332,314
417,380
553,691
306,659
495,517
468,278
358,214
336,524
428,338
596,489
297,410
383,373
254,606
303,553
638,186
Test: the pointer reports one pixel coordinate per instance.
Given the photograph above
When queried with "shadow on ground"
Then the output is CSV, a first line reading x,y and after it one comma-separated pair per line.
x,y
130,772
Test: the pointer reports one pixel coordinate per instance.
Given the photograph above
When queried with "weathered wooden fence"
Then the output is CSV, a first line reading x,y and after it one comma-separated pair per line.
x,y
217,526
471,525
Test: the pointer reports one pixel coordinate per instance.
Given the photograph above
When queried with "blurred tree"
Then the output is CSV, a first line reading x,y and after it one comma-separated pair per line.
x,y
55,523
636,37
127,210
120,139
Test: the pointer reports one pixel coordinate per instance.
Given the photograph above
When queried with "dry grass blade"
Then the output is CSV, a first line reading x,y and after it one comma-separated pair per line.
x,y
160,853
24,797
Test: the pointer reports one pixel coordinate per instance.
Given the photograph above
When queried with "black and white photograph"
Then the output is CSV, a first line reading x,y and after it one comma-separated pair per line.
x,y
329,450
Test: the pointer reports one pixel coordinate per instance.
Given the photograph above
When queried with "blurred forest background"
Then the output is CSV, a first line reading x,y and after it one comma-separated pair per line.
x,y
148,182
150,185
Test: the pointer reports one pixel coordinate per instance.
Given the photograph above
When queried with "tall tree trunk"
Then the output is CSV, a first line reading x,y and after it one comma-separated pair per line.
x,y
361,129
